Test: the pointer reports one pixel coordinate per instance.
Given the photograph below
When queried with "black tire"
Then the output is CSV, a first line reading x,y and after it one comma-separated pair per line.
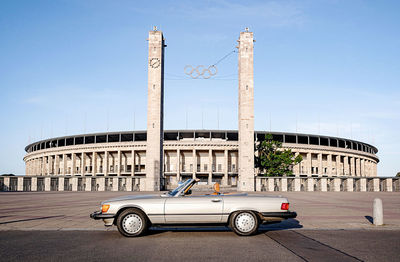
x,y
132,222
249,220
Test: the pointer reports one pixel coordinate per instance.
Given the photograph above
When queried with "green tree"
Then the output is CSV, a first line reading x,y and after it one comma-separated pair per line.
x,y
398,174
273,160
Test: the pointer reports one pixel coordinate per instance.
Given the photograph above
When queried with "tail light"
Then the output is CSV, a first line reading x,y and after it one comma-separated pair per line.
x,y
285,206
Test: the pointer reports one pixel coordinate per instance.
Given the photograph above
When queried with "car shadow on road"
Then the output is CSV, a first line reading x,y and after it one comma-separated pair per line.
x,y
287,224
284,225
370,219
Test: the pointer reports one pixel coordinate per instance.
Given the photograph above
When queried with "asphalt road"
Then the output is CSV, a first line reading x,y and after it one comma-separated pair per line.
x,y
201,245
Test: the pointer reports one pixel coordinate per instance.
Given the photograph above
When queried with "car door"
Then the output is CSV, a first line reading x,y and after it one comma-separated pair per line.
x,y
193,209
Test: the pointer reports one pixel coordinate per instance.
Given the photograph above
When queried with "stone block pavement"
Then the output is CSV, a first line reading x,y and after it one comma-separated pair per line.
x,y
316,210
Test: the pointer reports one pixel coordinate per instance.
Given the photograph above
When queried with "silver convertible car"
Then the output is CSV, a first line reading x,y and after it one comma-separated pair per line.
x,y
243,213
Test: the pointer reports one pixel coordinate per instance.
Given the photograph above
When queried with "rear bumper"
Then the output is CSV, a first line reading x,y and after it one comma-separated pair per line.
x,y
98,215
274,216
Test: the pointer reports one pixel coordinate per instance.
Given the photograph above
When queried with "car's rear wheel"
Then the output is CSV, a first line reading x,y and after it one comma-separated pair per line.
x,y
244,223
132,222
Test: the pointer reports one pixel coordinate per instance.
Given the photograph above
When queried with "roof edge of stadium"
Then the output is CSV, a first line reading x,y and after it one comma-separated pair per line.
x,y
193,131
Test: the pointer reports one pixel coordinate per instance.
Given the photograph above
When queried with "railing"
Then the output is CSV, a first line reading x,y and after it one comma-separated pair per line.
x,y
71,183
325,184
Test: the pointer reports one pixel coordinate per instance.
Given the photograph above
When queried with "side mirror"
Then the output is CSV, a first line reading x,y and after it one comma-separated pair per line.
x,y
189,192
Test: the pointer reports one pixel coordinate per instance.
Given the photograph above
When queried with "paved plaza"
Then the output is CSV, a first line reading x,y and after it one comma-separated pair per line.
x,y
316,210
330,226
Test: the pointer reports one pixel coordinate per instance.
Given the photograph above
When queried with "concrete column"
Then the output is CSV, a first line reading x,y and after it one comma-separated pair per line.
x,y
133,163
271,185
41,166
370,173
309,164
101,181
258,184
142,184
389,185
7,183
363,168
64,170
119,163
50,168
105,165
376,181
329,159
320,168
60,184
194,161
88,183
210,164
352,167
57,165
34,184
310,184
20,184
338,167
375,169
226,168
83,163
284,184
74,183
115,184
349,184
94,163
246,112
47,184
44,164
73,159
336,184
363,184
178,165
155,111
296,168
297,184
323,186
377,212
346,166
358,173
129,184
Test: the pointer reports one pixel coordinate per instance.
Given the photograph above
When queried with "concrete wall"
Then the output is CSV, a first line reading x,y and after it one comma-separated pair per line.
x,y
325,184
123,183
72,183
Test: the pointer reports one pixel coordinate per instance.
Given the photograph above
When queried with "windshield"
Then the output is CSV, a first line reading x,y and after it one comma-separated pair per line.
x,y
179,188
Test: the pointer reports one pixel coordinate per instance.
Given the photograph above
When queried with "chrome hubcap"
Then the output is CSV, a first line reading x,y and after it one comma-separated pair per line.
x,y
245,222
132,223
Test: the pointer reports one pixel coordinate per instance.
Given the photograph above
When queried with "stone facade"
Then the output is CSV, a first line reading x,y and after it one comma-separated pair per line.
x,y
211,156
246,111
155,107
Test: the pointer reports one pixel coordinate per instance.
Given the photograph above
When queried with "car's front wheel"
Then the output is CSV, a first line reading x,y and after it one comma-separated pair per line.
x,y
244,223
132,222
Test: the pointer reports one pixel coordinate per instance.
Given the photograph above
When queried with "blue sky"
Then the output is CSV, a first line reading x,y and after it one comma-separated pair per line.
x,y
327,67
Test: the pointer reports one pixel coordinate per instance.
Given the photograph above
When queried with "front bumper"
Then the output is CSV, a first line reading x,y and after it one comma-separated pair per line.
x,y
98,215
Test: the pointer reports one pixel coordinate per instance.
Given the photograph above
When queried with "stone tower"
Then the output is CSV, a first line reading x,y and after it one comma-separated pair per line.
x,y
246,112
155,114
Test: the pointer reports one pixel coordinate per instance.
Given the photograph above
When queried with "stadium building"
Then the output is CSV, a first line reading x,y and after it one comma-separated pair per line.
x,y
224,156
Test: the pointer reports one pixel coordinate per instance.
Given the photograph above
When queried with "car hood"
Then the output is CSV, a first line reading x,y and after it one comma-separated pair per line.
x,y
132,197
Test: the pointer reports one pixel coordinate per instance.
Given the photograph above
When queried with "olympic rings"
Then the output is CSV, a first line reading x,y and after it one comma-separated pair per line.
x,y
200,71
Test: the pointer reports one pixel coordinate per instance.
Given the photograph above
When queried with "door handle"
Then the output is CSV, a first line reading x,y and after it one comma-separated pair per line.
x,y
216,200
